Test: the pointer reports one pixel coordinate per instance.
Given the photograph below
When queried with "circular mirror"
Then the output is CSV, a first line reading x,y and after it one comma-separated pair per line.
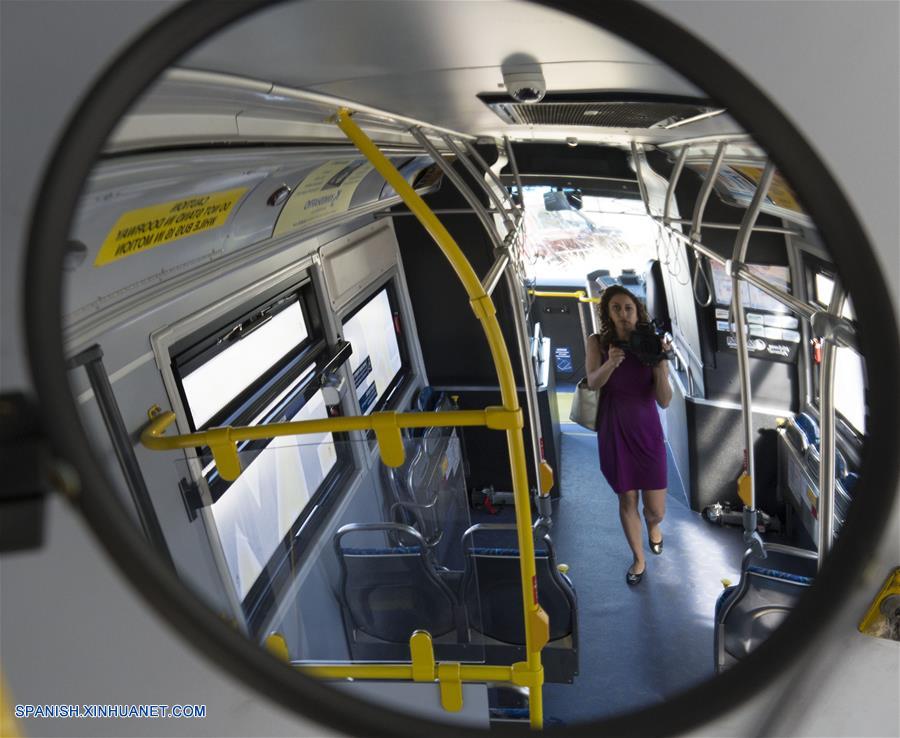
x,y
241,264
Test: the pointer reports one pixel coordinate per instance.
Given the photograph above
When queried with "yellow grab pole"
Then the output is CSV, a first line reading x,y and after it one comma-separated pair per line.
x,y
536,627
222,441
578,294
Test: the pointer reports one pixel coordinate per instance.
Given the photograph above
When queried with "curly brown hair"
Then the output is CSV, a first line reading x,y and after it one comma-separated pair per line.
x,y
607,329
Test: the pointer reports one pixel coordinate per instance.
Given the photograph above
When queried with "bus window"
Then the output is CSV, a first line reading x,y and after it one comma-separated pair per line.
x,y
243,360
850,376
379,360
849,368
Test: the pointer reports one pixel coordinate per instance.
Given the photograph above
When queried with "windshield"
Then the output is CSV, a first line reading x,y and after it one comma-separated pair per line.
x,y
563,246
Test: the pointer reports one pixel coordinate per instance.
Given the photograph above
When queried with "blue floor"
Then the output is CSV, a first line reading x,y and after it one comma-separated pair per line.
x,y
642,644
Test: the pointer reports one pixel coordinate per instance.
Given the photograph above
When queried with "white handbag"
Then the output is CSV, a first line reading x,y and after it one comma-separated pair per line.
x,y
584,405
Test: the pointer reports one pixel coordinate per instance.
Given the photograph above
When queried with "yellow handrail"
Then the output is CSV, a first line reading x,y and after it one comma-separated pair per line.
x,y
580,295
537,629
424,668
223,441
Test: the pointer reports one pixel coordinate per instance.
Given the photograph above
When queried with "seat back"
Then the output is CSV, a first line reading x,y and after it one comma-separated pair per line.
x,y
748,613
408,500
657,303
388,592
808,426
492,586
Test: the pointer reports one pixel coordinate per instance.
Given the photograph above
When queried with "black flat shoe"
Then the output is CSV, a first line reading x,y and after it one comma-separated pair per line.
x,y
655,546
633,578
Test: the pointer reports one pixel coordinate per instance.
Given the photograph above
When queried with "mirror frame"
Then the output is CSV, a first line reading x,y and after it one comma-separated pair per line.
x,y
159,46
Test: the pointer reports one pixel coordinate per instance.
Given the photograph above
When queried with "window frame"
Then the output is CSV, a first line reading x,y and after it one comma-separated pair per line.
x,y
395,389
205,343
849,437
308,357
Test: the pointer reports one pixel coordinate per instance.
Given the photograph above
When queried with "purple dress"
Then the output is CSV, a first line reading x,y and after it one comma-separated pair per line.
x,y
629,434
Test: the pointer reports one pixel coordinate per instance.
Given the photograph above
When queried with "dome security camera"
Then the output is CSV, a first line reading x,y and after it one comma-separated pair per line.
x,y
525,86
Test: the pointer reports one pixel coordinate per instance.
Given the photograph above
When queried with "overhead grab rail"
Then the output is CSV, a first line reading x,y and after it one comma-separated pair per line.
x,y
517,209
844,335
478,177
508,246
834,329
511,157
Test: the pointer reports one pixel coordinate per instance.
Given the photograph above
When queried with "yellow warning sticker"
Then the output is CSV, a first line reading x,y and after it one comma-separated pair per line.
x,y
327,190
780,192
813,499
139,230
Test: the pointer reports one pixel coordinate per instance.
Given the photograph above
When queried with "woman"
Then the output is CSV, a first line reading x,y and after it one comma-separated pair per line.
x,y
629,434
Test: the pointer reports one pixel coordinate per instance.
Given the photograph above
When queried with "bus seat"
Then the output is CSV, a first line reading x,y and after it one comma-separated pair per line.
x,y
492,593
812,463
747,613
408,500
388,592
796,434
430,400
426,399
809,427
416,500
849,482
657,304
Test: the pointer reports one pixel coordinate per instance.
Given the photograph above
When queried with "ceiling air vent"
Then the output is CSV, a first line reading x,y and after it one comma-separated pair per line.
x,y
599,113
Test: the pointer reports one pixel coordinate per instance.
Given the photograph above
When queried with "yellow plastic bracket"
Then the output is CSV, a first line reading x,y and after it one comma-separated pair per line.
x,y
152,435
522,676
224,451
451,687
875,621
390,442
540,628
745,488
483,307
277,646
422,656
546,472
500,418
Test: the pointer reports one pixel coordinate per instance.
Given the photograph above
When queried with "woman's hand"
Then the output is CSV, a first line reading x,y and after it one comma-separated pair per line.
x,y
616,356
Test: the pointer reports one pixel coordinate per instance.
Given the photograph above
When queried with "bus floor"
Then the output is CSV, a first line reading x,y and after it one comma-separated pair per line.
x,y
638,645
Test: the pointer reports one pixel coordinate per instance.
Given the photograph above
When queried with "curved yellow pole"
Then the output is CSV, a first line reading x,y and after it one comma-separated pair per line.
x,y
536,623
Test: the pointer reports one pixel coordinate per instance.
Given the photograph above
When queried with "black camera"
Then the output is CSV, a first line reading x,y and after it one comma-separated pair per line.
x,y
646,344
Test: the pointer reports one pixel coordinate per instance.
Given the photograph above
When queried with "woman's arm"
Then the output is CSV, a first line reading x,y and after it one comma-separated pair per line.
x,y
599,371
661,381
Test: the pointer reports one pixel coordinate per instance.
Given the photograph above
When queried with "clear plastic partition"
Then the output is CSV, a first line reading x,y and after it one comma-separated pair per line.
x,y
338,556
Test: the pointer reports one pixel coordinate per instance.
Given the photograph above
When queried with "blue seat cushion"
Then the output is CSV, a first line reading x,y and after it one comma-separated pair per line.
x,y
810,428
